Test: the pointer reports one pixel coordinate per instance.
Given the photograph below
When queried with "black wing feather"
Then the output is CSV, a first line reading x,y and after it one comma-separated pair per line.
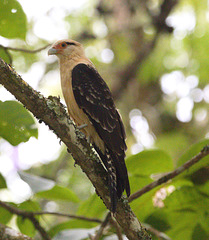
x,y
94,97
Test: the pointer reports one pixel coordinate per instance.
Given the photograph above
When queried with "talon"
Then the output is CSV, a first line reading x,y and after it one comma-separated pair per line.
x,y
82,126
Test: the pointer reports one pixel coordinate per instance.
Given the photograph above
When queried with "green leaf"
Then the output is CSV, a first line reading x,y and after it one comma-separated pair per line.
x,y
199,233
70,225
75,234
159,220
36,183
204,188
189,154
5,216
4,55
16,123
13,22
149,162
97,208
25,225
185,208
59,193
2,182
137,182
47,189
182,224
173,142
186,197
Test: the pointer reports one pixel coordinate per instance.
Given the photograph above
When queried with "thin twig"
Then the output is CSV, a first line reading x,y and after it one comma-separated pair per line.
x,y
156,232
25,50
68,216
102,227
6,49
28,215
117,228
204,152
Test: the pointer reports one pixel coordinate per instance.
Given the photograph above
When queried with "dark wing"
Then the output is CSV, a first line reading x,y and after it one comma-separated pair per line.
x,y
94,97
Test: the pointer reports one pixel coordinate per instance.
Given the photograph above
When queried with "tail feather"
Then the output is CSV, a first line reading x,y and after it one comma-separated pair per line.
x,y
112,182
117,176
122,174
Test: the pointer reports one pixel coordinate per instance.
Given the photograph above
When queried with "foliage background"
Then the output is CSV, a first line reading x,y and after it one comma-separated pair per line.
x,y
154,57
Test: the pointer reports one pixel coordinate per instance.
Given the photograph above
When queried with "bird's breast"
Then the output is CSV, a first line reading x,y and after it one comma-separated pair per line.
x,y
76,113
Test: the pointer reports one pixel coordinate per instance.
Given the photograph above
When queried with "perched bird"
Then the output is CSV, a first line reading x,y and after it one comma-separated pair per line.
x,y
90,105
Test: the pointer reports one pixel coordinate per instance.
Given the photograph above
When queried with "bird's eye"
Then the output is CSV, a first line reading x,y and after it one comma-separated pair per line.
x,y
63,45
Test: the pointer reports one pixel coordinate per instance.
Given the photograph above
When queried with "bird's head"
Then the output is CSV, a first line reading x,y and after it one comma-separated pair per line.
x,y
66,48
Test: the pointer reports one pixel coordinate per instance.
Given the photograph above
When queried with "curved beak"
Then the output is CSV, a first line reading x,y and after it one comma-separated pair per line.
x,y
52,51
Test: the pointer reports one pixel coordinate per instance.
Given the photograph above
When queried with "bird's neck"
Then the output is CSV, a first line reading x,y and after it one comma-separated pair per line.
x,y
69,62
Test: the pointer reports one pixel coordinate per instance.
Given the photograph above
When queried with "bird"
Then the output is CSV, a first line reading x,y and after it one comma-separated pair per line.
x,y
90,105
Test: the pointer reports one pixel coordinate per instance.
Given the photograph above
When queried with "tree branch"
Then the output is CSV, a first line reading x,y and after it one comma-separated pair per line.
x,y
28,215
157,233
102,227
117,228
51,112
6,49
25,50
204,152
68,216
129,72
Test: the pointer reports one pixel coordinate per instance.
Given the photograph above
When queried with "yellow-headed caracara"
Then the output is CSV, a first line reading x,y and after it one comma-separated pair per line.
x,y
90,105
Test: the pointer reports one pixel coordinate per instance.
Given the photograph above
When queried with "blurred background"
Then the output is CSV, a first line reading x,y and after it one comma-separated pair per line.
x,y
153,54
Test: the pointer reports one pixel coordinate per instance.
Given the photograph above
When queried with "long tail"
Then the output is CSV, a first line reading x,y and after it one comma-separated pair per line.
x,y
117,177
112,182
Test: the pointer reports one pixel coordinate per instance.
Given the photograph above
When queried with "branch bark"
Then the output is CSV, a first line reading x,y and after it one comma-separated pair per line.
x,y
204,152
51,112
7,233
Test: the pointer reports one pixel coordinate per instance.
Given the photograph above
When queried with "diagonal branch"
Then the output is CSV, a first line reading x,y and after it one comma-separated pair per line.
x,y
51,112
204,152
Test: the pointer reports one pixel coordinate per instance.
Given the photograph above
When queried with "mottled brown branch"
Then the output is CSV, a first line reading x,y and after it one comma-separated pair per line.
x,y
204,152
51,112
29,216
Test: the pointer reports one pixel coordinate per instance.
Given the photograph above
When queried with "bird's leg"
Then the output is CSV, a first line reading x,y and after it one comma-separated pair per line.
x,y
82,126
